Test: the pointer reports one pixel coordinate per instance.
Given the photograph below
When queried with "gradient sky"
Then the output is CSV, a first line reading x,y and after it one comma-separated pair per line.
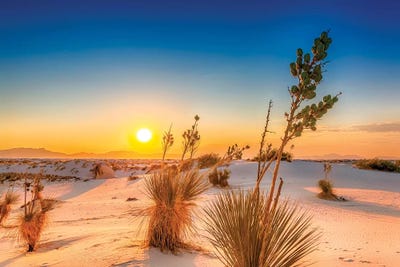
x,y
86,75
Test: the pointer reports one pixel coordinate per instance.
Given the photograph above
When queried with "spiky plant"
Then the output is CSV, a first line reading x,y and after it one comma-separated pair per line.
x,y
219,177
245,234
10,198
173,194
34,218
253,229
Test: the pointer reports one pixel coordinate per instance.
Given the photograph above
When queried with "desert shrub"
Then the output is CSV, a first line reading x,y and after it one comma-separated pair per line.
x,y
34,217
172,194
219,177
245,234
326,186
378,164
186,165
10,198
208,160
327,193
286,156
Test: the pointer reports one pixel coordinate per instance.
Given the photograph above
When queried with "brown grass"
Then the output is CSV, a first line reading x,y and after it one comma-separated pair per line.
x,y
33,220
10,198
326,187
31,228
173,194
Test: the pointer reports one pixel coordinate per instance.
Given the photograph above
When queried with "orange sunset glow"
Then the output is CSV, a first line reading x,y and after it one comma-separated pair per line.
x,y
198,133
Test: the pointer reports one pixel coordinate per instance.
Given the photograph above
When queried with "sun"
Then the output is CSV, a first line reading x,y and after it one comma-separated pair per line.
x,y
144,135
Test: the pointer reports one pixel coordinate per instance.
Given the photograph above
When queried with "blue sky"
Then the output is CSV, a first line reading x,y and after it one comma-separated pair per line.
x,y
221,59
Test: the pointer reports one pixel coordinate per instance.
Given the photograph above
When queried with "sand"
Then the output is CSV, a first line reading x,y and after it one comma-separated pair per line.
x,y
92,226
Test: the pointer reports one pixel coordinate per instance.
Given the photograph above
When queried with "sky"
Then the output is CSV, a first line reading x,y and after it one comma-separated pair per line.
x,y
84,76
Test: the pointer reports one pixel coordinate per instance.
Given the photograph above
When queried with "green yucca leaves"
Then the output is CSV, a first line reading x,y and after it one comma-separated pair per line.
x,y
244,234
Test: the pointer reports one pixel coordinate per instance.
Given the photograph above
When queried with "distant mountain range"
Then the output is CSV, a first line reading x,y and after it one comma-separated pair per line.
x,y
44,153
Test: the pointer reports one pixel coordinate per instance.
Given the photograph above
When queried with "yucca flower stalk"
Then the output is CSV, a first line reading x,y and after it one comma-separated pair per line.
x,y
254,229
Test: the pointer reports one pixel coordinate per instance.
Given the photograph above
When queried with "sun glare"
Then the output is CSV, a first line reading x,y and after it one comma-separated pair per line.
x,y
144,135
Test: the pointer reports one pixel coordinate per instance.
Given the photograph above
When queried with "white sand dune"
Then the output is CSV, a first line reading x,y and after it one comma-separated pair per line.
x,y
92,225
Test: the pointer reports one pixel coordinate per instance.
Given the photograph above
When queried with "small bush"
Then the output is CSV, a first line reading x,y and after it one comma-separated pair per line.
x,y
219,178
186,165
208,160
10,198
378,164
173,194
286,156
33,220
326,186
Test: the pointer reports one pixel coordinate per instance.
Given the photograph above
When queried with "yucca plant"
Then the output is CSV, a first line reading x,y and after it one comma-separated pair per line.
x,y
172,194
253,229
9,199
244,233
219,177
34,218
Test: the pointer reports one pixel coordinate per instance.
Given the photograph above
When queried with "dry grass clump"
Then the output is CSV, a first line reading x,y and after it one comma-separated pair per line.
x,y
219,178
31,227
34,218
378,164
272,154
208,160
173,194
14,176
327,192
186,165
326,187
10,198
245,234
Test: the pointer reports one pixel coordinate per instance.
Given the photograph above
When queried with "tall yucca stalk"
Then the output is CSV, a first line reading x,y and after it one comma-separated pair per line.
x,y
10,198
173,194
253,229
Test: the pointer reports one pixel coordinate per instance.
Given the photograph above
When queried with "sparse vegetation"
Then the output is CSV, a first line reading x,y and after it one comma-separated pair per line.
x,y
14,176
167,142
173,196
9,198
327,169
378,164
191,139
272,154
219,177
326,187
173,191
34,218
208,160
